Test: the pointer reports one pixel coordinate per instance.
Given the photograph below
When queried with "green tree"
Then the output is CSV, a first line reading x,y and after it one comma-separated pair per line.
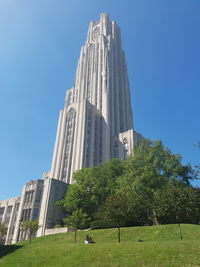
x,y
116,209
149,169
29,227
91,187
178,203
3,231
76,221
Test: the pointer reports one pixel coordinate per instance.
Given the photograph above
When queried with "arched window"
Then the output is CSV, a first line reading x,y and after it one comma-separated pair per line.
x,y
95,33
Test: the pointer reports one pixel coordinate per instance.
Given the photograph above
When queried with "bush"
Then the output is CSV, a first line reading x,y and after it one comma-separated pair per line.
x,y
100,224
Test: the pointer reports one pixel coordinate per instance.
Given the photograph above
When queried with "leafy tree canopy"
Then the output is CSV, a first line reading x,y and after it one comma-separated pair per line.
x,y
29,227
92,186
141,179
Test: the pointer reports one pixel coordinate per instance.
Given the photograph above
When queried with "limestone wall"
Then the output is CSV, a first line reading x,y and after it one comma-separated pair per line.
x,y
54,231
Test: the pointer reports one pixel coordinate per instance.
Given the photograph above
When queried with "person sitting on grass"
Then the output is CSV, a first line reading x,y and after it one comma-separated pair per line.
x,y
91,241
87,239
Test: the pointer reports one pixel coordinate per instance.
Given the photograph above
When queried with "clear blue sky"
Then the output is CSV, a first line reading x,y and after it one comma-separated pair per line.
x,y
40,43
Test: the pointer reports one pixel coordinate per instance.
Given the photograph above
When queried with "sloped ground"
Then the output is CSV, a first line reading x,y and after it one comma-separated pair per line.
x,y
162,247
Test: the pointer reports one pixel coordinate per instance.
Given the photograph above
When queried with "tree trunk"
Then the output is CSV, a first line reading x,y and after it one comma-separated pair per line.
x,y
180,230
75,237
119,234
155,220
179,227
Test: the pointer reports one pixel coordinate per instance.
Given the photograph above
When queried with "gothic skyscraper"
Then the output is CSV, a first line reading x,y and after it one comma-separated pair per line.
x,y
94,126
96,122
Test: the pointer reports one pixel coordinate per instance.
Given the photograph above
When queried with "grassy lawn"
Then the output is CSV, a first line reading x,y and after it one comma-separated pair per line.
x,y
161,247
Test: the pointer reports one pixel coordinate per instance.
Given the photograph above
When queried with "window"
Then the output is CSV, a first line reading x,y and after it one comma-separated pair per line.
x,y
1,211
35,213
28,197
89,70
95,33
38,196
26,214
68,143
125,143
9,210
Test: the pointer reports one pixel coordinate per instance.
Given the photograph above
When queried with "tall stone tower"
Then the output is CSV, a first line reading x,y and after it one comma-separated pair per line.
x,y
96,122
94,126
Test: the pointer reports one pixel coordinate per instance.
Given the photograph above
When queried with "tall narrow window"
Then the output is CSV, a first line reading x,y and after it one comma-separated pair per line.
x,y
125,143
68,144
90,65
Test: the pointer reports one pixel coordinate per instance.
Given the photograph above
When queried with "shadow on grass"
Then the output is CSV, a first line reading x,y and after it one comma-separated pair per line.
x,y
4,250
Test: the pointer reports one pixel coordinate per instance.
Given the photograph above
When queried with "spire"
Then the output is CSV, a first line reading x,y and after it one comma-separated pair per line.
x,y
104,17
102,26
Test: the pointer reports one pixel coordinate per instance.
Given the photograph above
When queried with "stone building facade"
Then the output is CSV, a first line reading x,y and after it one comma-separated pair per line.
x,y
9,210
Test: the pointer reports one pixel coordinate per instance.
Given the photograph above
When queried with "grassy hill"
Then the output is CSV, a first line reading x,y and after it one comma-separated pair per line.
x,y
161,247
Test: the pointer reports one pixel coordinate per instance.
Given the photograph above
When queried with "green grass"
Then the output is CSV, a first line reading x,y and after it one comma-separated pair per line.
x,y
162,247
